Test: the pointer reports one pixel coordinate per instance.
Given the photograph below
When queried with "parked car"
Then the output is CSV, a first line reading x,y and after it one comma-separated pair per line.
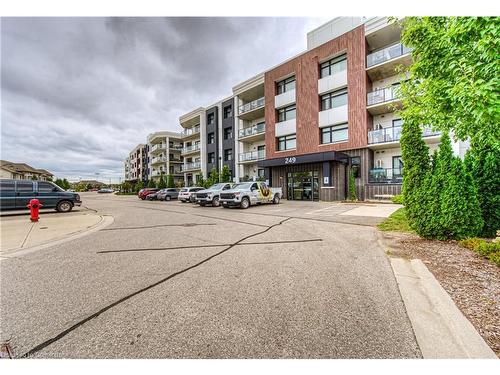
x,y
154,196
248,193
167,194
211,195
105,190
188,194
16,194
143,193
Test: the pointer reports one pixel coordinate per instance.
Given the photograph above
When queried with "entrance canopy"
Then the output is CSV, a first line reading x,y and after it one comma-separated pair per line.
x,y
308,158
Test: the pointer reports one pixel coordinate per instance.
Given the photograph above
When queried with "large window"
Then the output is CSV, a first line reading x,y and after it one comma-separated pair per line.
x,y
210,138
228,133
210,118
397,122
211,157
286,85
287,113
228,154
287,142
334,99
356,166
333,66
24,186
333,134
228,111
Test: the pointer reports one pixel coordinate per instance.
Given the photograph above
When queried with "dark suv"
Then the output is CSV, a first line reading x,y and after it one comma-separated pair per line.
x,y
16,194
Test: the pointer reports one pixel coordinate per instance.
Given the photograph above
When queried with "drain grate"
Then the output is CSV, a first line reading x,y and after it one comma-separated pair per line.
x,y
5,351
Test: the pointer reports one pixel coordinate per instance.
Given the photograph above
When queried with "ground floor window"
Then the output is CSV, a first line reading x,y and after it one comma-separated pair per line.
x,y
333,134
261,173
303,185
287,142
356,166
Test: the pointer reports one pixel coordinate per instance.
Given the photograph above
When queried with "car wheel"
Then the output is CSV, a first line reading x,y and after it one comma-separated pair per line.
x,y
245,203
215,202
64,206
167,197
276,199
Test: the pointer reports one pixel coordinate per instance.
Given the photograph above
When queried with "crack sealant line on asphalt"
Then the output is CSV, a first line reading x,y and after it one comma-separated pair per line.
x,y
159,226
203,246
28,234
123,299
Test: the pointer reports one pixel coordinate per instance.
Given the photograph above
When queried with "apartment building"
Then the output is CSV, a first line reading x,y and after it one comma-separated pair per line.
x,y
193,136
136,164
164,156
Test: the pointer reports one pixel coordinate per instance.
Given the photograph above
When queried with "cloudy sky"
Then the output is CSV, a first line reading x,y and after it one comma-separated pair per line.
x,y
79,93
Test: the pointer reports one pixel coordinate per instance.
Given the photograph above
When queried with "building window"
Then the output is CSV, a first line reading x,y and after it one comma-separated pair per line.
x,y
228,111
211,157
287,142
228,155
228,133
210,118
287,113
261,173
286,85
334,99
356,166
396,123
333,66
210,138
333,134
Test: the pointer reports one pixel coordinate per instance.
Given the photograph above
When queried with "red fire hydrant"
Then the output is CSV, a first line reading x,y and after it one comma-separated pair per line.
x,y
34,207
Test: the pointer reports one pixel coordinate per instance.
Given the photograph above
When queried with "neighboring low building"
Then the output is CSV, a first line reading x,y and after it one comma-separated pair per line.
x,y
164,156
23,171
136,165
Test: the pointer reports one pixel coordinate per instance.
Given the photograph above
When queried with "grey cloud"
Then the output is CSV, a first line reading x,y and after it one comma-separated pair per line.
x,y
79,93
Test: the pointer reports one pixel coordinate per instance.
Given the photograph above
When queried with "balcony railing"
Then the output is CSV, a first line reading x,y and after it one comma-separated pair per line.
x,y
386,54
177,146
191,148
159,146
393,134
252,155
258,103
190,131
386,175
191,166
252,130
161,159
158,173
383,95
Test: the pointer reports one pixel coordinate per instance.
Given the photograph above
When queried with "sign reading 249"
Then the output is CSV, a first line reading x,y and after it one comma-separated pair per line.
x,y
291,160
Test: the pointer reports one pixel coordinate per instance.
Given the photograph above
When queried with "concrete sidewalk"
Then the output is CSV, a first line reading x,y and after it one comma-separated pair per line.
x,y
20,233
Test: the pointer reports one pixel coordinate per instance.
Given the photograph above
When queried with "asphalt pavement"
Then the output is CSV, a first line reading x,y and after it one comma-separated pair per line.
x,y
174,280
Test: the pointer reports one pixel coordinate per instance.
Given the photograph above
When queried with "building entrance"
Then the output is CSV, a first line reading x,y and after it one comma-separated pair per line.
x,y
303,186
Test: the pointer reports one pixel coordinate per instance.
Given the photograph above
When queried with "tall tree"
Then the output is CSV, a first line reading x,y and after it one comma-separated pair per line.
x,y
225,175
161,183
170,181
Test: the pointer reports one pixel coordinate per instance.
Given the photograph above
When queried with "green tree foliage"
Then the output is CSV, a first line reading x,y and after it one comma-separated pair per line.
x,y
34,177
66,184
483,162
162,184
225,175
59,183
151,184
213,178
170,181
455,76
126,187
353,195
139,186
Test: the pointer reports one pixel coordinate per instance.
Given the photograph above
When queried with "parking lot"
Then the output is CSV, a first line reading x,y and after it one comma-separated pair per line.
x,y
175,280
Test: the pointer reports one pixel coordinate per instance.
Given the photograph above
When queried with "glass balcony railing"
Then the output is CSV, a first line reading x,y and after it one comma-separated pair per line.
x,y
191,148
394,134
191,166
383,95
252,155
190,131
258,103
386,54
159,146
252,130
159,160
386,175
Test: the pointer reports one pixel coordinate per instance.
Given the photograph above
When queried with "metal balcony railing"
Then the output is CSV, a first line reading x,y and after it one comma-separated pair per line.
x,y
386,54
251,105
156,160
383,95
386,175
191,148
190,131
159,146
252,130
191,166
252,155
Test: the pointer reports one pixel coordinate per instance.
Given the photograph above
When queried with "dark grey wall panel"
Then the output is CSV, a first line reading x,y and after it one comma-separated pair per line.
x,y
214,147
228,144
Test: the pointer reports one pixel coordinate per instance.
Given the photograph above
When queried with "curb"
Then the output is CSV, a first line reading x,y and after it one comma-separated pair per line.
x,y
14,253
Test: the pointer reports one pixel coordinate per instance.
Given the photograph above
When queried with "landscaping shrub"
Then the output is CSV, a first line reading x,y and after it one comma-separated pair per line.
x,y
489,250
470,243
353,195
398,199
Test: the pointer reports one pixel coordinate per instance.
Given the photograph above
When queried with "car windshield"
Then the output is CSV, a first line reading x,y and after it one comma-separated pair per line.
x,y
244,185
217,186
184,190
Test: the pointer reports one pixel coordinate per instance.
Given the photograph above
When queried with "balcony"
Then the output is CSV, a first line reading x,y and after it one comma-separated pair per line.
x,y
158,147
385,176
252,156
175,147
157,173
252,110
380,139
383,63
158,160
176,170
252,133
285,127
190,132
190,149
191,166
282,100
383,100
333,116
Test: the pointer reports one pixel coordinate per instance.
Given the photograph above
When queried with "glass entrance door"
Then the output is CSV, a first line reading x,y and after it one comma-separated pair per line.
x,y
303,186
